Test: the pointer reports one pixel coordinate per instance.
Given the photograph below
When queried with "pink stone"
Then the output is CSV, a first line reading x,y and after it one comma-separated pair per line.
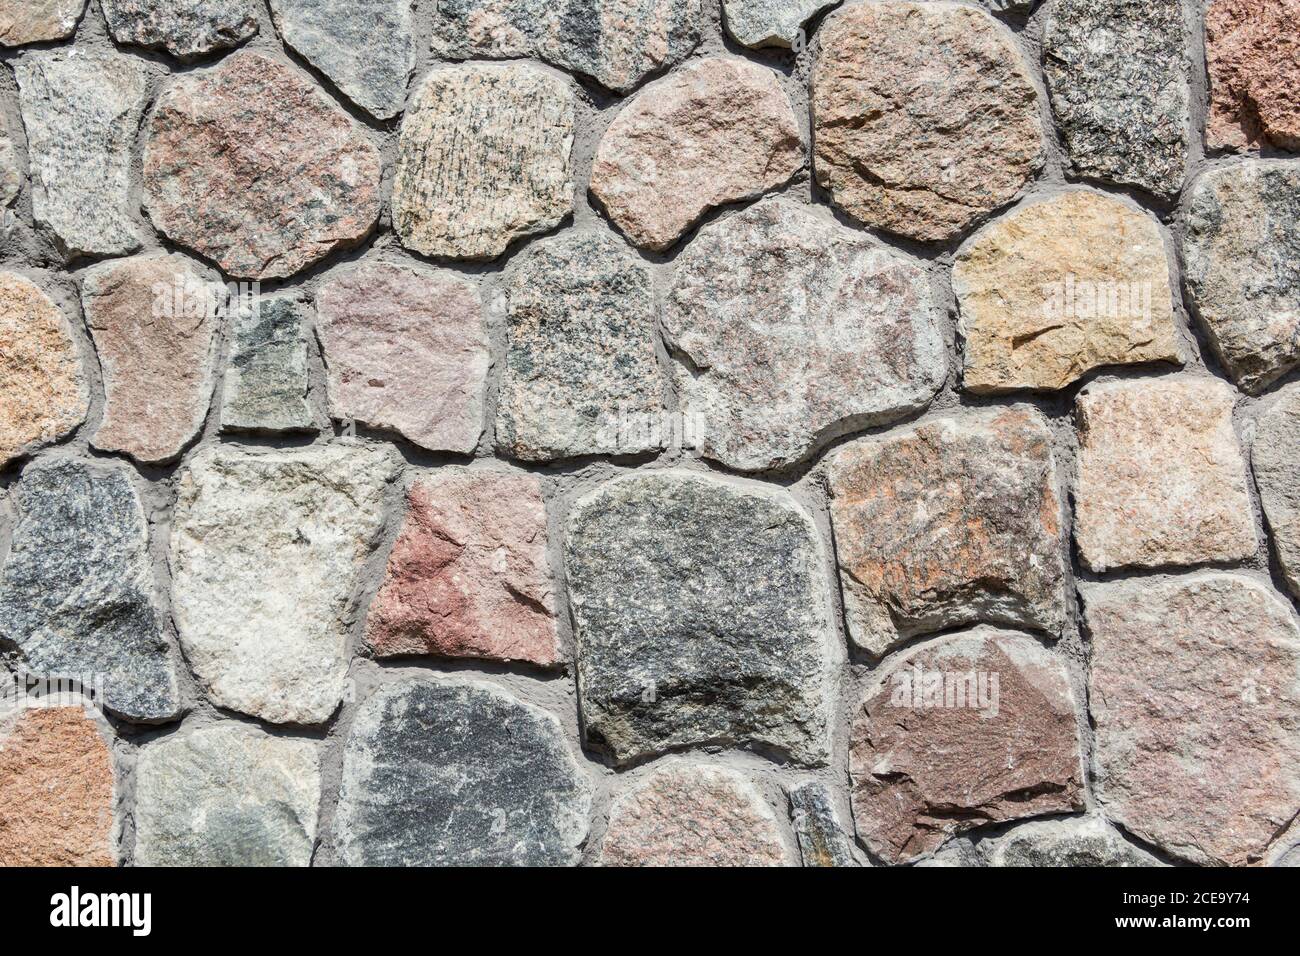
x,y
1252,52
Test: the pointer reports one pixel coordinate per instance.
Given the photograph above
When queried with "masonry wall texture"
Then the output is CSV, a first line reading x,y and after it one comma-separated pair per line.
x,y
651,432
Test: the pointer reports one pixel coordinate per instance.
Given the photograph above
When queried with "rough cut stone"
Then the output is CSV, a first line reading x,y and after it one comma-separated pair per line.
x,y
468,576
34,21
953,522
459,774
1276,456
1252,52
366,47
616,42
1243,267
693,816
718,130
1117,73
821,840
44,392
1060,288
791,330
1196,703
56,789
967,729
581,371
12,175
154,321
406,351
76,598
1161,477
757,23
483,160
82,110
226,796
924,116
266,546
701,616
253,166
266,382
184,28
1077,841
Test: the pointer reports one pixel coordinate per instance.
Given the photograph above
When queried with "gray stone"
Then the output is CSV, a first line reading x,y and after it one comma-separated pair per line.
x,y
1243,267
366,47
82,112
184,28
616,42
12,175
1117,72
757,23
459,773
266,383
1276,456
1074,841
1290,858
581,369
791,330
957,853
702,616
821,839
226,796
76,597
266,547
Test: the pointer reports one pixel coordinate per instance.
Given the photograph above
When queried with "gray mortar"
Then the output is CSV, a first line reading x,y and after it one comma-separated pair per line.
x,y
24,249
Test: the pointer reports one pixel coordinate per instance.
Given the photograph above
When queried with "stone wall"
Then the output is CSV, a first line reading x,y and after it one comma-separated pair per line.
x,y
645,431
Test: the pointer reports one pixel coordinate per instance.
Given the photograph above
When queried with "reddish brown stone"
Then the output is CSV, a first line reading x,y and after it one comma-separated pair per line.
x,y
468,575
1252,52
56,790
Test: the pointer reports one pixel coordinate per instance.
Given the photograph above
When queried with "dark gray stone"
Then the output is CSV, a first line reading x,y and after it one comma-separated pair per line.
x,y
75,596
1117,71
184,28
1243,267
366,47
266,384
459,774
702,616
1276,457
1077,841
821,839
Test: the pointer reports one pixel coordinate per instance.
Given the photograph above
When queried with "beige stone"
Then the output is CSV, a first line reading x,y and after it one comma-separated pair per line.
x,y
33,21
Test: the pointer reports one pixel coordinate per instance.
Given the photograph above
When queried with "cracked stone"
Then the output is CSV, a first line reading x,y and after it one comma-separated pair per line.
x,y
1277,473
821,839
1252,56
184,28
266,381
35,21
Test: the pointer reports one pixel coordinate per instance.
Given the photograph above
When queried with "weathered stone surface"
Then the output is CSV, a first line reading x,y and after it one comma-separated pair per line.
x,y
483,160
82,112
76,596
821,840
924,116
725,635
33,21
1077,841
154,321
12,175
253,166
226,796
468,576
459,774
1243,267
406,351
693,816
954,521
1276,456
265,550
1060,288
184,28
616,42
718,130
266,382
791,330
1117,71
968,729
1196,703
580,360
1290,858
44,392
757,23
1161,476
1253,56
56,789
367,47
